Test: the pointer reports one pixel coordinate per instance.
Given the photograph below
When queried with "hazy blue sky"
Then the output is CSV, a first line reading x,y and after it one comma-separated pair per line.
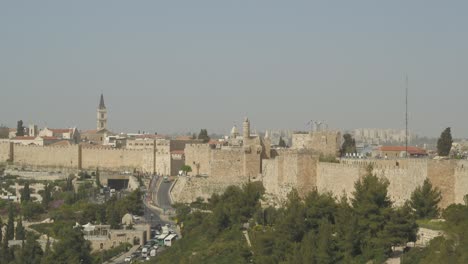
x,y
179,66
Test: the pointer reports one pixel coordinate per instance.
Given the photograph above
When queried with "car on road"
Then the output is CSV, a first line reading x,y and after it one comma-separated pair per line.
x,y
128,259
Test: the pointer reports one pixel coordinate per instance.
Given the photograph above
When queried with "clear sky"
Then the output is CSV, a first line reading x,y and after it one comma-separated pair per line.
x,y
177,66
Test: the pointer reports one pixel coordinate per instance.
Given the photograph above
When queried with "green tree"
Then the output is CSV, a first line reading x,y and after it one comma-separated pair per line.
x,y
19,128
349,144
47,256
26,193
425,199
186,169
444,143
203,135
31,210
347,231
71,247
282,143
372,206
98,179
20,231
31,252
326,245
10,230
47,195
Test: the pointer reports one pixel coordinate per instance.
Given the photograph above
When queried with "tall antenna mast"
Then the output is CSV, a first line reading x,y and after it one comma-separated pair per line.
x,y
406,103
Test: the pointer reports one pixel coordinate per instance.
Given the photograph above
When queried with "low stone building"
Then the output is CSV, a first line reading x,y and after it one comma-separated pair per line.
x,y
103,237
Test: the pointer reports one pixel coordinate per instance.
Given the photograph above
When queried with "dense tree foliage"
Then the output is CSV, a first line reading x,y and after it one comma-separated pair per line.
x,y
444,143
203,135
282,143
214,235
425,200
47,195
10,229
20,233
26,193
19,128
349,144
450,248
316,228
71,247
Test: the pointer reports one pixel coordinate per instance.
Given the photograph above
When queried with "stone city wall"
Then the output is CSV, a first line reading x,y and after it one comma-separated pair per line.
x,y
163,158
227,163
197,156
76,157
324,142
461,182
290,170
4,151
115,159
46,156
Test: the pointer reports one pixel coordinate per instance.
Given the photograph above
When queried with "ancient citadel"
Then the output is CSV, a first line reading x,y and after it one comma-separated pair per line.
x,y
249,157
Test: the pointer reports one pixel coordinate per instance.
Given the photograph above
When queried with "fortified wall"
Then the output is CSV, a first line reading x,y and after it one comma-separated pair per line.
x,y
228,163
217,168
77,157
4,151
327,142
450,176
290,169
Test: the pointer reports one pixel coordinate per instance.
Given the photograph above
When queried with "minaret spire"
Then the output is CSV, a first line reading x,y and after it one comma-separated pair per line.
x,y
101,102
101,115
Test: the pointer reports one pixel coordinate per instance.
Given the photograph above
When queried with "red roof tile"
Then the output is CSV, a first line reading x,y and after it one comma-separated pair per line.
x,y
24,138
411,150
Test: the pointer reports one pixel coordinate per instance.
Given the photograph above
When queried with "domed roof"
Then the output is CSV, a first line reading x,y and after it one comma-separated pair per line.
x,y
234,131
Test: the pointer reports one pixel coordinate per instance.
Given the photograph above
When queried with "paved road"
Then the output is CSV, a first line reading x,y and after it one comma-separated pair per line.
x,y
163,195
121,258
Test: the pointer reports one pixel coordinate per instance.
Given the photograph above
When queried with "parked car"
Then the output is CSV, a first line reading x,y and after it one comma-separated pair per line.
x,y
128,259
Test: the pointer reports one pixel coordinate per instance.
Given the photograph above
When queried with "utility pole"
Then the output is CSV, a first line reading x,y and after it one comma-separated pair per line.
x,y
406,103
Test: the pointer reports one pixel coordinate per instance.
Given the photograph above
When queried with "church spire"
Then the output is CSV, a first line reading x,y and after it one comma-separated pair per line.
x,y
101,103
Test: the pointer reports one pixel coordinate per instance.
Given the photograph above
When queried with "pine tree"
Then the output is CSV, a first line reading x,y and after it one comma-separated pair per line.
x,y
47,195
20,232
203,135
281,142
425,200
325,244
10,230
26,193
20,129
444,143
98,179
71,247
372,206
349,144
32,251
47,257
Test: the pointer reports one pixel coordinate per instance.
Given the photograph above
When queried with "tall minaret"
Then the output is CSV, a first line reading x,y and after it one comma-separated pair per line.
x,y
101,115
246,129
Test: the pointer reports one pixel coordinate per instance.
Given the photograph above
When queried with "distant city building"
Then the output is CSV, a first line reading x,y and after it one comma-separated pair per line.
x,y
380,136
398,152
38,141
71,134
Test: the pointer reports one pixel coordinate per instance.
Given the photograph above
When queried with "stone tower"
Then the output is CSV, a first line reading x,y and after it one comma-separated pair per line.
x,y
246,129
101,115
